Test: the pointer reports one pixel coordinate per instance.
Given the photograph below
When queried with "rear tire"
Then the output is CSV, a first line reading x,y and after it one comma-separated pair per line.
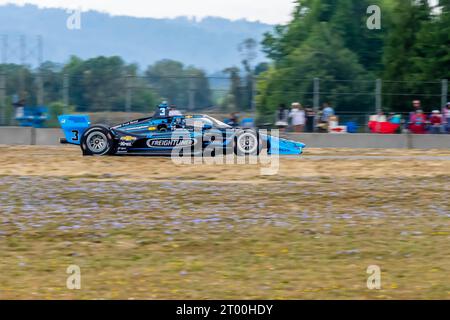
x,y
97,141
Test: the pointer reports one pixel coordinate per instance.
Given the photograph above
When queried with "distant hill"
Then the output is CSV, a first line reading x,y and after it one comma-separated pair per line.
x,y
210,43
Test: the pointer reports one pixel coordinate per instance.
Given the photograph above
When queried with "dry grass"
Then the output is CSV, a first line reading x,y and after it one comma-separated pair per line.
x,y
145,228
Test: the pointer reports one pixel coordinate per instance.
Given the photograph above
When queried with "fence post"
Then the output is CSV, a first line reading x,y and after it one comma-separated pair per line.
x,y
444,93
316,98
2,98
191,94
66,92
378,95
40,89
128,93
253,93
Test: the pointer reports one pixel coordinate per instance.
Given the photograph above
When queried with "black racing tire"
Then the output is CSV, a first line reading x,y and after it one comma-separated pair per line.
x,y
247,143
97,141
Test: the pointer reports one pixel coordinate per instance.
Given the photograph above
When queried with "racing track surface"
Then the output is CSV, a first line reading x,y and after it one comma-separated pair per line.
x,y
145,228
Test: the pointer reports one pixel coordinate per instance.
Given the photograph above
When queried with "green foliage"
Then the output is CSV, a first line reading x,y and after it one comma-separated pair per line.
x,y
56,109
401,52
237,97
173,82
20,82
432,60
329,39
100,84
97,84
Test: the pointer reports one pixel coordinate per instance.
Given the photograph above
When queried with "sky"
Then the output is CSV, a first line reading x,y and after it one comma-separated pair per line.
x,y
268,11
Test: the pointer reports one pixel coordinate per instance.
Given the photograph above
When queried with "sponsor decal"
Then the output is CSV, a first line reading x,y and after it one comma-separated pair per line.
x,y
135,128
152,128
128,138
125,144
169,143
126,124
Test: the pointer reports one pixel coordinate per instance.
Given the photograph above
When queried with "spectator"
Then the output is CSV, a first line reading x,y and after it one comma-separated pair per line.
x,y
417,123
395,119
282,117
234,120
436,122
327,112
310,118
322,126
380,117
391,116
446,116
417,105
297,115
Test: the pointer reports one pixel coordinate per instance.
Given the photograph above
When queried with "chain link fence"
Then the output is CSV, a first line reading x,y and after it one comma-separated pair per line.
x,y
116,98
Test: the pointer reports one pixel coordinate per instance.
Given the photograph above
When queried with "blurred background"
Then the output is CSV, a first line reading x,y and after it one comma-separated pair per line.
x,y
117,67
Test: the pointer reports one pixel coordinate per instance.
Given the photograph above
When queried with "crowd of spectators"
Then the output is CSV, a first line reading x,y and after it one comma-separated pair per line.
x,y
305,119
416,122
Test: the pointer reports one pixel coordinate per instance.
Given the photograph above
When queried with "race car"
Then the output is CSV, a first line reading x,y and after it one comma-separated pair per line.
x,y
164,133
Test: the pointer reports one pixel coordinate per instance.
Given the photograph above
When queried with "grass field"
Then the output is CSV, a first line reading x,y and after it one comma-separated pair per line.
x,y
144,228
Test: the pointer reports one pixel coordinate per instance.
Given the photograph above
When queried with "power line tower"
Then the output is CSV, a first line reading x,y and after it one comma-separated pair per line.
x,y
18,49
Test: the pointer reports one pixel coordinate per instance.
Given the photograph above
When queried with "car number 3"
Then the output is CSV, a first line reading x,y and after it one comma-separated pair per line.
x,y
75,136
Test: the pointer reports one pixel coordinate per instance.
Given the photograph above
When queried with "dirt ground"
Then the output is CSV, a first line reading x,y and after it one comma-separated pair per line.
x,y
146,228
68,162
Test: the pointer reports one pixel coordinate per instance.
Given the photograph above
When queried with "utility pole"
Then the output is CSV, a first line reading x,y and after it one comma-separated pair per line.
x,y
23,59
191,94
128,92
3,80
253,93
20,51
378,95
66,92
444,93
2,98
40,83
316,98
4,49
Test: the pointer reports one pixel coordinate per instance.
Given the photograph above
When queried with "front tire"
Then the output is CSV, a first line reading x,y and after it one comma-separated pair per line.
x,y
97,141
247,143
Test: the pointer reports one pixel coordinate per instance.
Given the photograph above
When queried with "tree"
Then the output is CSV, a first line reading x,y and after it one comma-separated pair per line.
x,y
249,53
433,56
327,40
235,99
322,56
52,81
173,82
401,51
21,82
167,78
199,83
100,84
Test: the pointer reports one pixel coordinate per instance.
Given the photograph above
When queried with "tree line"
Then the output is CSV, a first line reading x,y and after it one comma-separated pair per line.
x,y
330,40
326,39
101,83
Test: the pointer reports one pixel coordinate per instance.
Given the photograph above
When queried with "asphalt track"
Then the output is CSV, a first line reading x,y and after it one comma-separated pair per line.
x,y
306,157
421,158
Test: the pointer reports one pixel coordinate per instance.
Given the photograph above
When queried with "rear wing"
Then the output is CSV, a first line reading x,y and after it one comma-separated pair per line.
x,y
73,127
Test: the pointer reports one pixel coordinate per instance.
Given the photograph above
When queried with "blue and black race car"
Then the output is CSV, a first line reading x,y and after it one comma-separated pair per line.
x,y
163,132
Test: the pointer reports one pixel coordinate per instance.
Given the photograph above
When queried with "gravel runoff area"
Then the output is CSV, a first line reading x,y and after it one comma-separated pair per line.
x,y
145,228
